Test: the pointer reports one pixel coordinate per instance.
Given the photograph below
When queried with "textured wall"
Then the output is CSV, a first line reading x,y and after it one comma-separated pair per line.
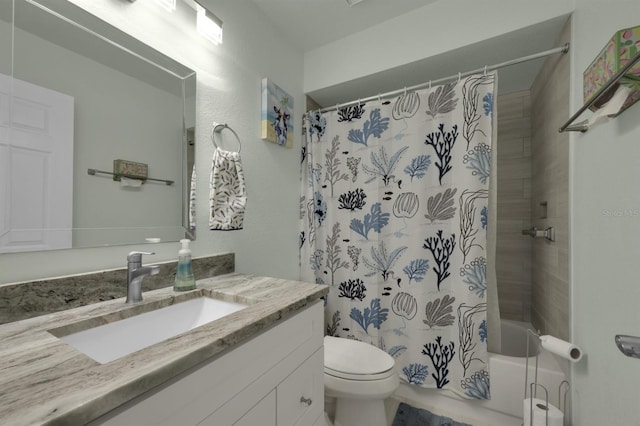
x,y
550,185
605,231
513,250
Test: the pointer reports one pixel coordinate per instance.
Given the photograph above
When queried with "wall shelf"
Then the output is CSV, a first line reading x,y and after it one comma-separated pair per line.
x,y
612,84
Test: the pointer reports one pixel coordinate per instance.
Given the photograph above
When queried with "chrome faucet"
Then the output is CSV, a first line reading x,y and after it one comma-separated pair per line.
x,y
136,273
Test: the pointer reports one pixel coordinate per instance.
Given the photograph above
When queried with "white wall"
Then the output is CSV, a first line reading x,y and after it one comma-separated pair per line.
x,y
605,233
228,91
431,30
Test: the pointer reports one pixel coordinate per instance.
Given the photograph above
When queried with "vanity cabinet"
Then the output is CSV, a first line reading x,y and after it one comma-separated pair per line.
x,y
273,379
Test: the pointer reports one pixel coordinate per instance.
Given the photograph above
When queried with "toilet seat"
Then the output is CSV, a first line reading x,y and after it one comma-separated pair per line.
x,y
358,377
353,360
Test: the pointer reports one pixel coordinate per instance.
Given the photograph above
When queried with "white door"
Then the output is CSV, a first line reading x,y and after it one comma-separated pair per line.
x,y
36,167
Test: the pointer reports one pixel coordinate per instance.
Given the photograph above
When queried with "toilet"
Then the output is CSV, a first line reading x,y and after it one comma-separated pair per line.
x,y
359,376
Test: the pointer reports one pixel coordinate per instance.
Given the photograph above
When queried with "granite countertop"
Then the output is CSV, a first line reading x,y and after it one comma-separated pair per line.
x,y
45,381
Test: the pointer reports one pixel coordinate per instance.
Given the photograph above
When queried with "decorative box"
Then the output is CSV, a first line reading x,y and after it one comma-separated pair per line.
x,y
617,53
129,169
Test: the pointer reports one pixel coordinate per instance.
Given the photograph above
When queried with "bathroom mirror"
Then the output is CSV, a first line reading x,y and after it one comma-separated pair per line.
x,y
76,94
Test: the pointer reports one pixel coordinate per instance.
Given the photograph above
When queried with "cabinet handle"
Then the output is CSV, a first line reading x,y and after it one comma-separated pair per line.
x,y
307,401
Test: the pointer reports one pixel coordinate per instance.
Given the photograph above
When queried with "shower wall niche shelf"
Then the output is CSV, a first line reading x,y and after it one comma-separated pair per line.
x,y
608,89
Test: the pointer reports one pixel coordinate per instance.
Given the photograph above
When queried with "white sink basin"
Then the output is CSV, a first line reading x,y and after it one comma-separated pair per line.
x,y
112,341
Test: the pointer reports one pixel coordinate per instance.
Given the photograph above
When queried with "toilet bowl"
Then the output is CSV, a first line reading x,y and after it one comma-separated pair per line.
x,y
359,376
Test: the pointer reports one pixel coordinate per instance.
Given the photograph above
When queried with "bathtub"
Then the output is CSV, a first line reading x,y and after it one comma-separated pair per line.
x,y
507,371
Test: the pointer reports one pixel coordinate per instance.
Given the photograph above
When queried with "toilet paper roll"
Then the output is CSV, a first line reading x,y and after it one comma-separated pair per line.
x,y
540,412
612,107
561,348
132,183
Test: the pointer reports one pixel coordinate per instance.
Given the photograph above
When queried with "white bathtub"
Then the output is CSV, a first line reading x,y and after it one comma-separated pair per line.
x,y
507,373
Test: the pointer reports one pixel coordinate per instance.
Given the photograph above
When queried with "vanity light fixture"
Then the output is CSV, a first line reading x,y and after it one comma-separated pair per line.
x,y
169,5
208,24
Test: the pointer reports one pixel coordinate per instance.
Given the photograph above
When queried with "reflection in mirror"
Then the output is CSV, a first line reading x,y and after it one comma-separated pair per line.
x,y
83,94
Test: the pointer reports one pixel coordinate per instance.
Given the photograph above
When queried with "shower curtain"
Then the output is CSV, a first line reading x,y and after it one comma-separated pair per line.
x,y
394,211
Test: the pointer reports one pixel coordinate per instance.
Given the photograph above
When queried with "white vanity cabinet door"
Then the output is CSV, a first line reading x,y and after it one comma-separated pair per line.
x,y
248,408
221,391
320,421
301,394
263,414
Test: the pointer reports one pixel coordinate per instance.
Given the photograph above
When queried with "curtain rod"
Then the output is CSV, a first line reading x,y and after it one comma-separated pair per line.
x,y
563,49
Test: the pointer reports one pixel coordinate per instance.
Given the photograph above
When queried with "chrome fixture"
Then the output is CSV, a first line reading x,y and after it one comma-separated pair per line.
x,y
168,5
117,176
136,273
549,233
628,345
208,24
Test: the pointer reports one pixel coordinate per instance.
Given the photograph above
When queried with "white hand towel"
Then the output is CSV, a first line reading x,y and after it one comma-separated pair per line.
x,y
228,195
192,200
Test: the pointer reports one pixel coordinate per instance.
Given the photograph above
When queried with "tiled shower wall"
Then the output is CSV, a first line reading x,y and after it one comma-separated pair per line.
x,y
533,190
550,158
514,250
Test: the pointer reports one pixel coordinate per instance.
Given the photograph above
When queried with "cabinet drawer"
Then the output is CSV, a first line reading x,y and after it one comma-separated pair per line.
x,y
300,397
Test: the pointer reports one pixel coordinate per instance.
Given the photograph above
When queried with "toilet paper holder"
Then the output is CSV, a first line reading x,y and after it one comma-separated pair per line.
x,y
628,345
533,386
562,402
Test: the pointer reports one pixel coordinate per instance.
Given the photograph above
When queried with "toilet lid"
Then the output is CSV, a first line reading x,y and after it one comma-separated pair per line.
x,y
354,360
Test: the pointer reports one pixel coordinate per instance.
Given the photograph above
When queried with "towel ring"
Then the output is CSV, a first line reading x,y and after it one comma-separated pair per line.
x,y
218,128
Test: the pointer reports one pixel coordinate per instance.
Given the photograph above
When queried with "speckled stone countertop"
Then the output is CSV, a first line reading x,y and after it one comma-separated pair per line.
x,y
45,381
20,301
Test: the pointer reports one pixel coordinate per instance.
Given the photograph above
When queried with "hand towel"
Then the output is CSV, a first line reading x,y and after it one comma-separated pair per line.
x,y
192,200
227,196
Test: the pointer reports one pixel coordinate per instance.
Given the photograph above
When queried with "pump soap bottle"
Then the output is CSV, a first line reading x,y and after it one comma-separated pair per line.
x,y
184,275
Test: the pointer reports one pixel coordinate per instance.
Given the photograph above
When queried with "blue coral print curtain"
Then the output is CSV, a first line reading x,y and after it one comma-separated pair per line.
x,y
394,220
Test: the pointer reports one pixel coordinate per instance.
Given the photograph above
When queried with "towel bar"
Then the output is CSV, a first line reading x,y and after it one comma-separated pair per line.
x,y
93,172
628,345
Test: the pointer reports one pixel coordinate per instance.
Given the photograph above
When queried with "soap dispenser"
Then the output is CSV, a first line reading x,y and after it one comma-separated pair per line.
x,y
184,275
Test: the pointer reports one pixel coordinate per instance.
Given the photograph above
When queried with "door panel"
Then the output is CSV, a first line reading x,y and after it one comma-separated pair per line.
x,y
36,173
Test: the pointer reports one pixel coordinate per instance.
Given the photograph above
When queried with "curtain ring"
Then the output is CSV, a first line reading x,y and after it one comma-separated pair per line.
x,y
459,76
359,104
337,107
485,70
429,84
379,98
405,91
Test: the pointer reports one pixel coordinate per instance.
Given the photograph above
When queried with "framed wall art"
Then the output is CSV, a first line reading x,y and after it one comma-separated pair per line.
x,y
277,114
